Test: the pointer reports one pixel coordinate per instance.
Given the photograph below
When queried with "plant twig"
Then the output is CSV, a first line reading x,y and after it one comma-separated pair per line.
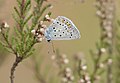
x,y
15,64
9,45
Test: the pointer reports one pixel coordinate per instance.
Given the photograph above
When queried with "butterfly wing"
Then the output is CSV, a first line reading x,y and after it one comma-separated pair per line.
x,y
62,29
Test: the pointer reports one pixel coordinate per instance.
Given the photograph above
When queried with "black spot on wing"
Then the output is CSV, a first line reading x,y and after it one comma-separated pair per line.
x,y
57,22
54,30
53,27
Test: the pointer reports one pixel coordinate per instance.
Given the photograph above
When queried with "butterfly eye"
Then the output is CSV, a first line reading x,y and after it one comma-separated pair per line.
x,y
57,22
60,35
54,35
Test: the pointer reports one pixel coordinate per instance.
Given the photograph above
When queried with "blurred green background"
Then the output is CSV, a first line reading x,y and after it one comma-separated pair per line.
x,y
83,16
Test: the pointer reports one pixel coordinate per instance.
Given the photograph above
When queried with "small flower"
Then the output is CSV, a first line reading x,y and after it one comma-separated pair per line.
x,y
99,13
84,67
41,22
110,61
103,50
72,78
81,81
87,78
36,34
64,79
0,30
51,7
101,65
43,26
42,30
6,25
89,81
33,32
39,36
108,28
68,70
66,61
110,16
97,77
53,57
68,75
47,17
109,34
64,56
111,8
39,39
3,25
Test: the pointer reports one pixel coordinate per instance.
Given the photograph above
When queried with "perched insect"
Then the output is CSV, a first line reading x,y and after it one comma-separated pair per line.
x,y
62,28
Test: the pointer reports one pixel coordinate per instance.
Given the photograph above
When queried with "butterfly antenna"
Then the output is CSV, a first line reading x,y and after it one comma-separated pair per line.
x,y
49,41
53,47
48,52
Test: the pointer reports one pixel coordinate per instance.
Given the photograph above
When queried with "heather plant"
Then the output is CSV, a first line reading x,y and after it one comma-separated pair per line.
x,y
21,43
2,52
117,57
106,13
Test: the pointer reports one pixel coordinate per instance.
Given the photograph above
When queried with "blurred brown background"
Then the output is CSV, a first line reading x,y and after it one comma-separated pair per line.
x,y
84,17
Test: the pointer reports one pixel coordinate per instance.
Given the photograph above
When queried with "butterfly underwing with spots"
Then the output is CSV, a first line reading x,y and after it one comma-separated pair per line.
x,y
62,28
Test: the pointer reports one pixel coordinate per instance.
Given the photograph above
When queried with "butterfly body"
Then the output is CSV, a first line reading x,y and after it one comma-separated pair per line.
x,y
62,28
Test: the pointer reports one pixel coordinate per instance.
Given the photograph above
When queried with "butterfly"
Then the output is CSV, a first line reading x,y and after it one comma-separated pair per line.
x,y
62,28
